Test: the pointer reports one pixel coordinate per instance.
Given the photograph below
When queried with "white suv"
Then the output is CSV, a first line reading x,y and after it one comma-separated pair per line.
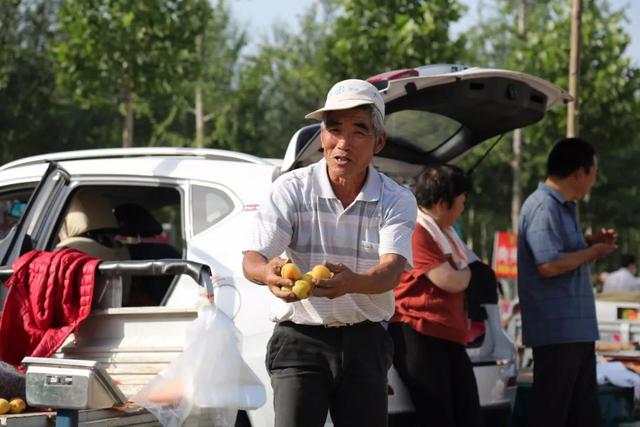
x,y
197,203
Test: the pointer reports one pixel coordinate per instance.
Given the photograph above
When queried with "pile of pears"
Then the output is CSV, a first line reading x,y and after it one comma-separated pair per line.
x,y
302,283
14,406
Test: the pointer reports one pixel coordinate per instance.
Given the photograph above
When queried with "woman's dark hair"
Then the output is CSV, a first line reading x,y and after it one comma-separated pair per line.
x,y
569,155
441,182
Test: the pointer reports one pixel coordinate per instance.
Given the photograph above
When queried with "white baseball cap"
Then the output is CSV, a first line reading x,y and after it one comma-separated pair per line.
x,y
349,94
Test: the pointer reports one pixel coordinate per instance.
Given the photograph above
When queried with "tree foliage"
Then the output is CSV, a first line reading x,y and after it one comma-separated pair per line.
x,y
113,52
217,51
35,116
8,38
337,39
373,36
609,101
277,85
65,66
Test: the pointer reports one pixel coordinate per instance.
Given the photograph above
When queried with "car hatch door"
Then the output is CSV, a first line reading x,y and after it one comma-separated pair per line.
x,y
34,227
440,117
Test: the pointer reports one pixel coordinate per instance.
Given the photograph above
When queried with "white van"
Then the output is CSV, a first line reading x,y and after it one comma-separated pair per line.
x,y
195,204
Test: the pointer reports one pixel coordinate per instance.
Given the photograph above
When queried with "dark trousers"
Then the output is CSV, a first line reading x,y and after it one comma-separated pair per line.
x,y
342,371
564,391
439,377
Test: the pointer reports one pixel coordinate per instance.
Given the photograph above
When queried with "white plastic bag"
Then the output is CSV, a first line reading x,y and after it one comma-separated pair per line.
x,y
209,378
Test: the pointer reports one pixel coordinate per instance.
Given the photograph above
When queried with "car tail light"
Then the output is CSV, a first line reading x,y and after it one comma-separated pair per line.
x,y
512,381
381,81
394,75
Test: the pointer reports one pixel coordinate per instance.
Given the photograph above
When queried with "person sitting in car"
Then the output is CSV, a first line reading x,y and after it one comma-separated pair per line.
x,y
90,226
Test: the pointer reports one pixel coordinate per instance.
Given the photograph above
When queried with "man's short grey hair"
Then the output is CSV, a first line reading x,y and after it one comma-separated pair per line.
x,y
376,119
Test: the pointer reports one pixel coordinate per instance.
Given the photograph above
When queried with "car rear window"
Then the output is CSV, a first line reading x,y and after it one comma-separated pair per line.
x,y
421,128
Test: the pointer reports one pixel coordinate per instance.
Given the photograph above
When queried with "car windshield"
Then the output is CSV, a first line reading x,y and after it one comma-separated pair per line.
x,y
421,128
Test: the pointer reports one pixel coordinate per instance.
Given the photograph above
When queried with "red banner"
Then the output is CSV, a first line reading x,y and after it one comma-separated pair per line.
x,y
505,250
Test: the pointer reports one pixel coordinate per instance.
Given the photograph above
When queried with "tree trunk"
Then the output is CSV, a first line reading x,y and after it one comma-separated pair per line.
x,y
573,112
199,118
127,131
199,113
516,163
516,184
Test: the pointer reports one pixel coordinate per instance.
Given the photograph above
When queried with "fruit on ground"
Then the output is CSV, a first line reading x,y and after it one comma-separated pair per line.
x,y
4,406
302,289
321,272
290,271
16,405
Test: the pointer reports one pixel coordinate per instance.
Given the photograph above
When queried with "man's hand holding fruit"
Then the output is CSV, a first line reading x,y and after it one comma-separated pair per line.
x,y
301,286
276,282
341,281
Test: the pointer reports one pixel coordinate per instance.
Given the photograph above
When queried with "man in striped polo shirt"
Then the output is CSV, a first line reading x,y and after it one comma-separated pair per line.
x,y
329,353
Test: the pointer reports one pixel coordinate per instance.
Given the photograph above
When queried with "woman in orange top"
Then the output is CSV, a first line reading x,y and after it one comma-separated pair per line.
x,y
430,325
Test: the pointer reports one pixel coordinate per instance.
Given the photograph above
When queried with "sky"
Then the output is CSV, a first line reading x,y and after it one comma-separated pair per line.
x,y
258,16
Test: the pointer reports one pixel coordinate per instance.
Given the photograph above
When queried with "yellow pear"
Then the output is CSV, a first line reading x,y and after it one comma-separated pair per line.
x,y
16,405
321,272
302,289
4,406
290,271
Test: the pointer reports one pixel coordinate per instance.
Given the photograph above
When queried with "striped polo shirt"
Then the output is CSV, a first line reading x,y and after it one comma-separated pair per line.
x,y
303,219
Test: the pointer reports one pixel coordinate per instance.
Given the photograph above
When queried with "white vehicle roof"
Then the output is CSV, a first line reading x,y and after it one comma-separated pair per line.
x,y
106,153
206,165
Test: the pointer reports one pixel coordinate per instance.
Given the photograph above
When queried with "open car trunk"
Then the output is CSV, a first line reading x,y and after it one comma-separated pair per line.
x,y
440,117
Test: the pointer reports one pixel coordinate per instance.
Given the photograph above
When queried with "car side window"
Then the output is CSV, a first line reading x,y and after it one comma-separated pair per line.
x,y
209,206
137,213
126,222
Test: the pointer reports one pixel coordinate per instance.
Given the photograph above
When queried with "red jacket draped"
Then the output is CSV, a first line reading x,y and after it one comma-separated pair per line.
x,y
50,293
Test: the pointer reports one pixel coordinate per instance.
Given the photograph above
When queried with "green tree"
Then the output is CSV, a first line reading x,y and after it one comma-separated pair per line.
x,y
189,116
119,53
8,38
277,86
373,36
337,39
35,117
219,50
610,88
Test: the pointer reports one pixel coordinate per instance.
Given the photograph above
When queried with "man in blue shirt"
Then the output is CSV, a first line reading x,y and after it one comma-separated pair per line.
x,y
556,295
